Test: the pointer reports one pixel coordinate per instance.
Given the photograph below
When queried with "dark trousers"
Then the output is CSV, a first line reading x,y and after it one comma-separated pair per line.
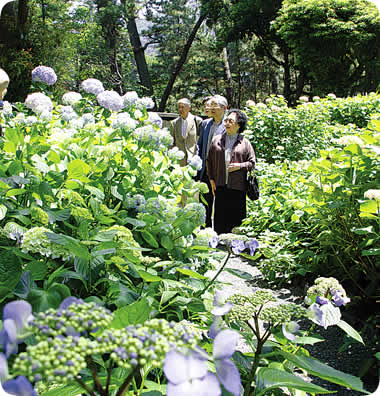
x,y
209,198
230,209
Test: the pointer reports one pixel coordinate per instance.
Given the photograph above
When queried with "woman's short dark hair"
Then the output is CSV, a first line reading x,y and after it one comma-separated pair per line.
x,y
241,119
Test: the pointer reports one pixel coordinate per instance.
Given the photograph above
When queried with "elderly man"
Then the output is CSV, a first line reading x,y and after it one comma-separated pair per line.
x,y
4,81
185,130
209,128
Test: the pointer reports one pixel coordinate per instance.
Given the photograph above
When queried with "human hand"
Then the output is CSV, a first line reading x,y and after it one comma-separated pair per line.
x,y
234,167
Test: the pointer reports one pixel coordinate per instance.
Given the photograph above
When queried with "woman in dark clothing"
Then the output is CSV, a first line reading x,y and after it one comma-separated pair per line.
x,y
230,157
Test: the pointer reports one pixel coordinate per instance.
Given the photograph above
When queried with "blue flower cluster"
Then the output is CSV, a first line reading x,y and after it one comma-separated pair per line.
x,y
110,100
153,139
92,86
44,74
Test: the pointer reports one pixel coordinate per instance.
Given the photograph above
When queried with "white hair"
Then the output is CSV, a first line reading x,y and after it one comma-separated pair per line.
x,y
220,100
185,101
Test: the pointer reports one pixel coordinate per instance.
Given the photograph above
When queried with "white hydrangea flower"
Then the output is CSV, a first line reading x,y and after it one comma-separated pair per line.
x,y
250,103
67,113
331,96
138,114
203,236
130,98
147,102
31,120
38,102
7,108
316,98
110,100
46,115
176,153
70,98
124,120
195,162
372,194
261,105
92,86
303,99
155,119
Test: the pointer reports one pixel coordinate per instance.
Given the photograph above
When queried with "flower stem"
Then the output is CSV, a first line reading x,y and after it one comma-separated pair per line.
x,y
214,278
124,386
85,387
98,385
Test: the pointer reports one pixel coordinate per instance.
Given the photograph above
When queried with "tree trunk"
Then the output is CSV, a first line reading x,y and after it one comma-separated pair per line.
x,y
286,65
228,79
181,61
139,54
22,17
300,83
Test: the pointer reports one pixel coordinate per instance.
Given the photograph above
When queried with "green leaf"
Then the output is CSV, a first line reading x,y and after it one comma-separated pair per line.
x,y
67,390
42,300
350,331
167,242
149,238
15,191
167,295
54,157
132,314
191,273
10,269
135,222
96,192
5,292
3,211
70,244
269,378
369,206
371,252
77,169
147,277
241,274
37,269
322,370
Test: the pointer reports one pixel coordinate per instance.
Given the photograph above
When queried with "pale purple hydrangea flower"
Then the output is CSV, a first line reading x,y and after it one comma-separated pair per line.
x,y
38,102
16,316
92,86
46,115
220,306
44,74
110,100
3,368
252,244
70,98
176,153
195,162
31,120
130,98
237,246
68,301
188,375
321,300
88,118
68,113
339,299
19,386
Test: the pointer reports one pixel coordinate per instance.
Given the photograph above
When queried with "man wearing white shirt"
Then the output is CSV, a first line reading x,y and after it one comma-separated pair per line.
x,y
185,130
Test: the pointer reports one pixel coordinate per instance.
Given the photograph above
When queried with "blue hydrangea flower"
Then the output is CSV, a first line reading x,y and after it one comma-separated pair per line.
x,y
176,153
188,375
146,102
110,100
68,301
124,120
44,74
237,246
92,86
220,306
19,386
321,300
224,347
252,244
16,316
38,102
216,327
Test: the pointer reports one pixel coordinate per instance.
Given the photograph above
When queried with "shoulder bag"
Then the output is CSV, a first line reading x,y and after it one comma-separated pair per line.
x,y
253,191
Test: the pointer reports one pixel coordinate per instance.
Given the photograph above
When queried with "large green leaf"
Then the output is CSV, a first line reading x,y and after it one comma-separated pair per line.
x,y
191,273
350,331
71,244
147,277
132,314
77,169
3,211
10,269
149,238
322,370
37,269
269,378
42,300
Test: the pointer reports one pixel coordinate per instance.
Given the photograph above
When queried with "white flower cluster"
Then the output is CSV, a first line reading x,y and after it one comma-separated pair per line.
x,y
155,119
36,241
147,102
197,212
7,108
372,194
110,100
67,113
148,136
349,139
176,153
124,120
195,162
92,86
130,98
38,102
70,98
203,236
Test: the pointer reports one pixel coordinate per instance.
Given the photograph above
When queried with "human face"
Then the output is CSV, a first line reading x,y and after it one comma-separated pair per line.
x,y
183,110
207,108
231,124
217,111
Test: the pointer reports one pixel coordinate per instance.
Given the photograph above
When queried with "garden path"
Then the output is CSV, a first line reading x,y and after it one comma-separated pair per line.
x,y
349,360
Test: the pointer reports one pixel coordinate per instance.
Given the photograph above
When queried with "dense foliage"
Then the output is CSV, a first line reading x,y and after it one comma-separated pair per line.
x,y
103,252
